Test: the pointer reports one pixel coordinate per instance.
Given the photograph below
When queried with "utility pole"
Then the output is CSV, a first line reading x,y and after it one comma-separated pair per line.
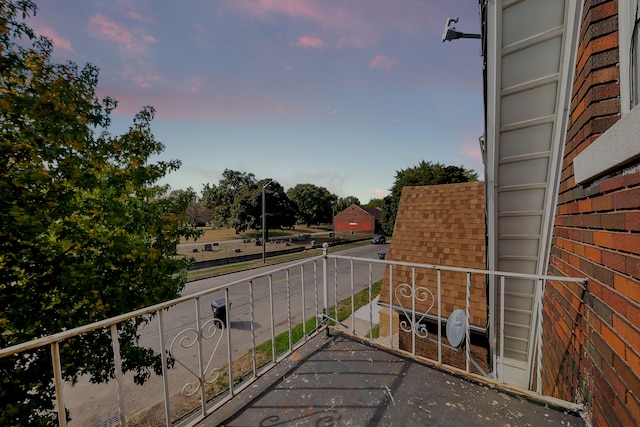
x,y
264,223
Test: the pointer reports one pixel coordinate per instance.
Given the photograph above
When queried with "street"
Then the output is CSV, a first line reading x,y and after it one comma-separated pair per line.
x,y
96,404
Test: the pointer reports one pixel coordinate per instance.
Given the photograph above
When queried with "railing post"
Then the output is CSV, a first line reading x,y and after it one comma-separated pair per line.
x,y
325,287
391,308
467,332
290,333
227,329
539,336
439,317
272,319
414,326
200,354
304,310
370,305
253,330
57,380
163,360
117,362
353,301
502,292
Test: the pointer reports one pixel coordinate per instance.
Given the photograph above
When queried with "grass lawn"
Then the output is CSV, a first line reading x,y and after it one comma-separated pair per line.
x,y
225,243
212,234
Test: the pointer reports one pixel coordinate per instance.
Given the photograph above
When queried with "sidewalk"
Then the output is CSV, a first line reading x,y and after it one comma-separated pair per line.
x,y
362,321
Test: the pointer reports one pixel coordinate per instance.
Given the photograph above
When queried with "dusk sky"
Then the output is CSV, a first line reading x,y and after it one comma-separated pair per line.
x,y
336,93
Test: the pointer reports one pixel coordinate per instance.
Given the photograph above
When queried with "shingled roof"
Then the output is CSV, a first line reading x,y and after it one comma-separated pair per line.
x,y
441,225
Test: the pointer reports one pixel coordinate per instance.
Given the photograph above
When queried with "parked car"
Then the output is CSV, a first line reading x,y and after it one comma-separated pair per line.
x,y
378,240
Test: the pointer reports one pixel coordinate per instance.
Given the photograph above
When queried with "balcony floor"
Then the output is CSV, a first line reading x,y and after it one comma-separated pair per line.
x,y
341,381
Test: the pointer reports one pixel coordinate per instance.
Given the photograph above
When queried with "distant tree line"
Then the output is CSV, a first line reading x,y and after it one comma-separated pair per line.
x,y
236,201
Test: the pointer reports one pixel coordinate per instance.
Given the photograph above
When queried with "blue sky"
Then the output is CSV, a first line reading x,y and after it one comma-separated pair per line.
x,y
336,93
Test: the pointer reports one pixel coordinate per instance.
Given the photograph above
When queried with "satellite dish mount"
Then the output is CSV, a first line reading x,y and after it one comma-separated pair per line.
x,y
456,328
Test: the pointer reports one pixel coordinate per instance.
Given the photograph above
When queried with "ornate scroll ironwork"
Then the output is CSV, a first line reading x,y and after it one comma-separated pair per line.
x,y
416,294
187,338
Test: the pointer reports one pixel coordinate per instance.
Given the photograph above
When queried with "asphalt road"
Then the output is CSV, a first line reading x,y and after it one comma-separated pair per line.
x,y
96,404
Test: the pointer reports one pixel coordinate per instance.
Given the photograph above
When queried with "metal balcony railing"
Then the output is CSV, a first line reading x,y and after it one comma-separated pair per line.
x,y
257,321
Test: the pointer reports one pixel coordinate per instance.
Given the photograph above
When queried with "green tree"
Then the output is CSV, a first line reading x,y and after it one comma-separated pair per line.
x,y
222,197
426,173
199,215
375,203
86,234
280,209
345,202
313,204
246,212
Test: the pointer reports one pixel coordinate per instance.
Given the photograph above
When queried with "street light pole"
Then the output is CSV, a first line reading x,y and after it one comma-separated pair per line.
x,y
264,223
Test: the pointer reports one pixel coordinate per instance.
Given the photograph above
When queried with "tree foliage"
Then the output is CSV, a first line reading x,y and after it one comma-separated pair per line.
x,y
375,203
313,204
222,197
246,212
86,232
237,202
425,173
344,202
199,215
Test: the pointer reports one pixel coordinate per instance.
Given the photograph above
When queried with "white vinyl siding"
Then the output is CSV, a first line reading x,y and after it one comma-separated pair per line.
x,y
530,60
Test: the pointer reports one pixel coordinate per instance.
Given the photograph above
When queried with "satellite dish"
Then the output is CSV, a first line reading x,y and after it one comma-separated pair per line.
x,y
456,327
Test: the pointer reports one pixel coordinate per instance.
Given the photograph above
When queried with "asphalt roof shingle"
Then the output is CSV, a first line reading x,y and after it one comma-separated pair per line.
x,y
440,225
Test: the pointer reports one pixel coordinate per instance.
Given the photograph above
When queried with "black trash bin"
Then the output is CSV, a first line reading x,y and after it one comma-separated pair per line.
x,y
219,308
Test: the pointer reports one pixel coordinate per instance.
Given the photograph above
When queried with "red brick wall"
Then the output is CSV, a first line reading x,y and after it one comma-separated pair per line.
x,y
354,219
592,333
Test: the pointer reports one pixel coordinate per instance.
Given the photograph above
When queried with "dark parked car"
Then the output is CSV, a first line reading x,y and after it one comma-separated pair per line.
x,y
378,240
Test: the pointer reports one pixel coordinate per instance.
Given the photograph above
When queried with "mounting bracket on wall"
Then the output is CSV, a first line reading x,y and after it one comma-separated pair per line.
x,y
450,32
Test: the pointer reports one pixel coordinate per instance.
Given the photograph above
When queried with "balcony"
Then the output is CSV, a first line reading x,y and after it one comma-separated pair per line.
x,y
296,357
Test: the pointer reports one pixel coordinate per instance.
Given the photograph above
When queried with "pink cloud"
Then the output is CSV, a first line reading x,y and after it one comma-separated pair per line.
x,y
469,149
349,26
133,41
310,42
380,194
294,8
381,62
200,107
353,24
58,41
200,35
135,16
352,41
140,73
193,85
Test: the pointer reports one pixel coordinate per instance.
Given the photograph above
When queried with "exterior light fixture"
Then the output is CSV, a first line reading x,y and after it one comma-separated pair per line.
x,y
450,32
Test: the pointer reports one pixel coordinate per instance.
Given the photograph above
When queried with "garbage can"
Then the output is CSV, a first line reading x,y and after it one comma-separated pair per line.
x,y
219,308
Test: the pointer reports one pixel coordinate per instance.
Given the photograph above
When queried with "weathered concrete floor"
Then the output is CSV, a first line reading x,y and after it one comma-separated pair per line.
x,y
343,382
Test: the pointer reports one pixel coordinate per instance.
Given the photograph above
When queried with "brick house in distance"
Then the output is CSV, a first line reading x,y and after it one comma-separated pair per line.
x,y
357,220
